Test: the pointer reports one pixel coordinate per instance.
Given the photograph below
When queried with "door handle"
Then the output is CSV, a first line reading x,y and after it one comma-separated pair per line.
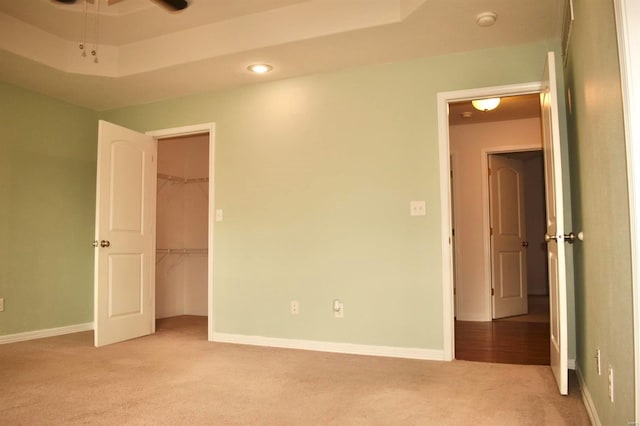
x,y
105,243
568,238
525,244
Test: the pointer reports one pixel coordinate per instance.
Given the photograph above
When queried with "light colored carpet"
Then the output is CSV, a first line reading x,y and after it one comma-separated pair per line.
x,y
176,377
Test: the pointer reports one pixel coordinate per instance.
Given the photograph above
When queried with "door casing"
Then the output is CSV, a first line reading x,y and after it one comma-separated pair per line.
x,y
186,131
443,99
627,16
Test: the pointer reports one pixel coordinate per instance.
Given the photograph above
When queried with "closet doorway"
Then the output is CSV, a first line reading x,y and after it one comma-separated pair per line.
x,y
184,223
181,226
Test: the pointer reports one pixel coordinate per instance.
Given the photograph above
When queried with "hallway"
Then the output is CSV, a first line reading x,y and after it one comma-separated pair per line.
x,y
522,339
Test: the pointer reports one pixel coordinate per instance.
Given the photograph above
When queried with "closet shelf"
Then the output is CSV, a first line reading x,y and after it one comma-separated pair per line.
x,y
179,179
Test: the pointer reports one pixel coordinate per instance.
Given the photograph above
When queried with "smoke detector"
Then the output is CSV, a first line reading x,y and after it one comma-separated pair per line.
x,y
486,19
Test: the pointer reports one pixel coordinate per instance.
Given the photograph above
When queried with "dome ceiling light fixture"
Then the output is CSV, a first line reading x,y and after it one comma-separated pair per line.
x,y
485,104
260,68
486,19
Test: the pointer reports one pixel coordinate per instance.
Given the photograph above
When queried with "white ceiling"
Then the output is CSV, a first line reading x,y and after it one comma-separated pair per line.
x,y
145,53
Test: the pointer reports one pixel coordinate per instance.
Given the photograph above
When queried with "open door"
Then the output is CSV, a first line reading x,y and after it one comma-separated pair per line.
x,y
554,236
508,236
125,214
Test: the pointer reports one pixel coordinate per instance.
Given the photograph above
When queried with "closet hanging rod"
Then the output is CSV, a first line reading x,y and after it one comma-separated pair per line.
x,y
180,179
181,251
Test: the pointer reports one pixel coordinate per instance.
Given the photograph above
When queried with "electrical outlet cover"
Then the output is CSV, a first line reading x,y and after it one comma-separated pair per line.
x,y
417,208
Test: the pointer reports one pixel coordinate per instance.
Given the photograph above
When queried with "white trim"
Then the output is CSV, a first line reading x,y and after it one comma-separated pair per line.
x,y
443,99
49,332
343,348
627,18
587,400
196,129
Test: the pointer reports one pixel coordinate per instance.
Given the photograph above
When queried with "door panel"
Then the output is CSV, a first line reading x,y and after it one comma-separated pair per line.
x,y
127,188
126,285
555,224
125,211
508,253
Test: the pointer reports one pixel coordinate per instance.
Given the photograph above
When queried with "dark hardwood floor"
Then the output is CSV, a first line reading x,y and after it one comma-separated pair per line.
x,y
505,341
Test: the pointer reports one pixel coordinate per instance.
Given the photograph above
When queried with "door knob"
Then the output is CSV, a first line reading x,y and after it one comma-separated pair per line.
x,y
525,244
548,238
105,243
95,243
570,238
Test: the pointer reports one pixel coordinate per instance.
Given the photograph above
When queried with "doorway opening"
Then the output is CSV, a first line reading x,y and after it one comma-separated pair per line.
x,y
517,328
183,291
182,212
498,226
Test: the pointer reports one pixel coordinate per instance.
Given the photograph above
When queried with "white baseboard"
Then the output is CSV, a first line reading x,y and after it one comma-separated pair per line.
x,y
50,332
586,398
571,364
343,348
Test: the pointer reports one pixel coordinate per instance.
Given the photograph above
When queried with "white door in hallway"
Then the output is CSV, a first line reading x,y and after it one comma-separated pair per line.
x,y
555,224
123,304
508,236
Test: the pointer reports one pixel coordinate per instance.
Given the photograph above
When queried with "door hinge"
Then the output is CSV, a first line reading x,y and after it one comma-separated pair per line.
x,y
489,171
493,292
491,231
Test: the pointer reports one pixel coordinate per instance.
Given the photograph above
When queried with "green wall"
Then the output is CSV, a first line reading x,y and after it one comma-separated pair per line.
x,y
604,315
315,175
47,198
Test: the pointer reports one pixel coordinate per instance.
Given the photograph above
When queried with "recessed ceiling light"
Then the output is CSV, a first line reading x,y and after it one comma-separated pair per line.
x,y
486,19
260,68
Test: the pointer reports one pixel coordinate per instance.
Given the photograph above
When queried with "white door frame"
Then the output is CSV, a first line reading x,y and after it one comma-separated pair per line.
x,y
443,99
186,131
627,17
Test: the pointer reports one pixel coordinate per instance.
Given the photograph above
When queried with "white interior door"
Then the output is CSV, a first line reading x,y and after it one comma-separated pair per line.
x,y
555,224
125,214
508,239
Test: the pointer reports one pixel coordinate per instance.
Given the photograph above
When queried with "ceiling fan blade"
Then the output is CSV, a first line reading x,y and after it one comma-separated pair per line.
x,y
174,4
109,2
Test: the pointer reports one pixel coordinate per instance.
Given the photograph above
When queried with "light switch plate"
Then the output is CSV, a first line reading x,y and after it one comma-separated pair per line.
x,y
417,208
218,215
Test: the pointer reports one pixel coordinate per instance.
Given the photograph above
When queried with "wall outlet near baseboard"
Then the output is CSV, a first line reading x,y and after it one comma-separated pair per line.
x,y
295,307
1,304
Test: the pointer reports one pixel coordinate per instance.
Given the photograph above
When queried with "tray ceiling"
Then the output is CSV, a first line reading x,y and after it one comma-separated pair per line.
x,y
145,53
